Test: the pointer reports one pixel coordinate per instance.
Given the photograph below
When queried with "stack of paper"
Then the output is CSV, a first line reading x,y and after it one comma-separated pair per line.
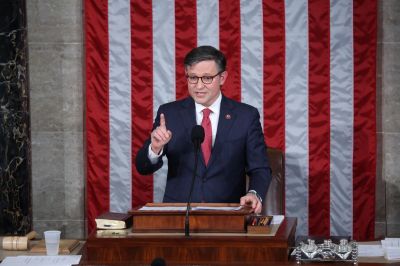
x,y
392,253
277,219
391,247
370,250
64,260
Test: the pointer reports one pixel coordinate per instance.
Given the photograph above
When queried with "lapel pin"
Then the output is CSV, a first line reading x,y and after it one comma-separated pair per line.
x,y
228,116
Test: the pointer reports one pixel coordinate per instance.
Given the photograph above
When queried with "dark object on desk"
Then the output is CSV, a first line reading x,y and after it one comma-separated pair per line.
x,y
158,262
114,220
258,224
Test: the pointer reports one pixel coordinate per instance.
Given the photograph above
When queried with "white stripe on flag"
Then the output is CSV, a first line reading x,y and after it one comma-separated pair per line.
x,y
296,112
251,23
120,105
163,73
341,207
207,22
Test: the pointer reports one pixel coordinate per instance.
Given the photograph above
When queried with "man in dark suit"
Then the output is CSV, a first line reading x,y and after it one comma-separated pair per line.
x,y
233,147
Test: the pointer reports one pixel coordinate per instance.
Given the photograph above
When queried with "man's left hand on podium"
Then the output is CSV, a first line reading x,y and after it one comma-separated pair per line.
x,y
251,199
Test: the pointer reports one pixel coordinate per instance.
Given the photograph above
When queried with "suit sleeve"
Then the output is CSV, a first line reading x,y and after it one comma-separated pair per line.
x,y
257,166
143,164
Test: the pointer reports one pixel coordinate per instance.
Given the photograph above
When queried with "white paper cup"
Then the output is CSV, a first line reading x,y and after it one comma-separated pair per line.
x,y
52,239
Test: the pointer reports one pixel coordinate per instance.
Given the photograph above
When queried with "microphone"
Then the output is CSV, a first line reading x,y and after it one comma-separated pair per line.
x,y
197,139
197,136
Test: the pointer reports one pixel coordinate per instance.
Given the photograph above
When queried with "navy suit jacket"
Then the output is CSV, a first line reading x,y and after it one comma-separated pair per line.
x,y
239,149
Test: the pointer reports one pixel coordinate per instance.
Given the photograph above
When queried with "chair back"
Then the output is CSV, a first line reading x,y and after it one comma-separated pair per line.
x,y
275,197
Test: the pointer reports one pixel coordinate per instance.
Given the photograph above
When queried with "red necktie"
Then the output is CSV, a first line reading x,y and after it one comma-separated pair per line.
x,y
207,143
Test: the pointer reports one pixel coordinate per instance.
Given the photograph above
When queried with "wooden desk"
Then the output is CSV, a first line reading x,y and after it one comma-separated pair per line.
x,y
199,248
274,263
12,253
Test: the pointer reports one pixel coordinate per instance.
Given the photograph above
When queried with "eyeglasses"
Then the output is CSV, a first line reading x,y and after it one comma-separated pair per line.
x,y
204,79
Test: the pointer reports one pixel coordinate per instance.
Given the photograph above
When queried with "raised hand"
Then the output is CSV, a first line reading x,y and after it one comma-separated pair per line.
x,y
160,136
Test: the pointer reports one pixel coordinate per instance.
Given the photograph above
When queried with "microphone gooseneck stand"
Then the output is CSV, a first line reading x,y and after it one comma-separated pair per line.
x,y
197,139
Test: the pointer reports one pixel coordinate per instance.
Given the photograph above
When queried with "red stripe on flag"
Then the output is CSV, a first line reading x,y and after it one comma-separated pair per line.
x,y
229,39
364,157
97,119
142,93
185,40
319,117
274,73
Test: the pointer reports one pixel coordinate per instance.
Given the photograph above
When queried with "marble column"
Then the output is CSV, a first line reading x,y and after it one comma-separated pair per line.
x,y
15,154
388,89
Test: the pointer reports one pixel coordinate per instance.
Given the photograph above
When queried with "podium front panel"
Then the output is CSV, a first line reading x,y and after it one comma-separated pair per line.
x,y
197,248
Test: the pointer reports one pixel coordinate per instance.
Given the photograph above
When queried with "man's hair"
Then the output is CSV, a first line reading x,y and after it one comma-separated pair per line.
x,y
203,53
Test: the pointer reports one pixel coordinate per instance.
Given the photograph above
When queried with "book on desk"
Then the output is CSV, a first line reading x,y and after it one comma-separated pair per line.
x,y
114,221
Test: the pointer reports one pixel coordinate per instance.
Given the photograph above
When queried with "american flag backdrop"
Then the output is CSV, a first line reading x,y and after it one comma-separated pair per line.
x,y
309,66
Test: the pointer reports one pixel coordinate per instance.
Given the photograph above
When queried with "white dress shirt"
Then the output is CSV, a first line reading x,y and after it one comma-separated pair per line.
x,y
214,115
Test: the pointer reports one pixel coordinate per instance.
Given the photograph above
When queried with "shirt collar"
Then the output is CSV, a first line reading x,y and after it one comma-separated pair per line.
x,y
215,107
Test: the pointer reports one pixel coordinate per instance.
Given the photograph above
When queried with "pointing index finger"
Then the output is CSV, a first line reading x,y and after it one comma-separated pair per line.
x,y
162,120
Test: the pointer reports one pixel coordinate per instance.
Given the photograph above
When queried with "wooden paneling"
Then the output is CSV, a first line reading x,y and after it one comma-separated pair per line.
x,y
195,249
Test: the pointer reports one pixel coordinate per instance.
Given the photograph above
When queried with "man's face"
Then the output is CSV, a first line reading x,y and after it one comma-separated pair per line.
x,y
205,94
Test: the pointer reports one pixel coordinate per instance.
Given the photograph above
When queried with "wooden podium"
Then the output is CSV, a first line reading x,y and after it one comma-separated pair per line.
x,y
204,217
170,243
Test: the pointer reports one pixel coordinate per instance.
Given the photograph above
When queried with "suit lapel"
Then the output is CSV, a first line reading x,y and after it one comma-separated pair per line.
x,y
188,115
